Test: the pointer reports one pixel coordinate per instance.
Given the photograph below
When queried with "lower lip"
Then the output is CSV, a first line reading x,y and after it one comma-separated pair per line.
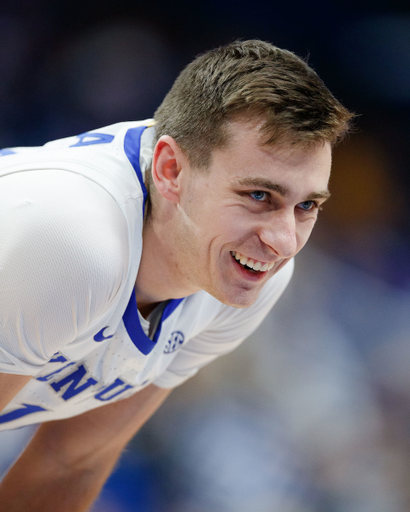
x,y
248,274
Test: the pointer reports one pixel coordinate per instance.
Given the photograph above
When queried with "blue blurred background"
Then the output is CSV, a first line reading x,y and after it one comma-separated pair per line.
x,y
312,413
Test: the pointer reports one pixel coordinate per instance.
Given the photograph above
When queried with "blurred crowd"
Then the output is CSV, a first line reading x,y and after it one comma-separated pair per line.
x,y
312,413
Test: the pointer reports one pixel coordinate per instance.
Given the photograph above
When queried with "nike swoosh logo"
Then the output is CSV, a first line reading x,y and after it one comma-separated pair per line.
x,y
100,335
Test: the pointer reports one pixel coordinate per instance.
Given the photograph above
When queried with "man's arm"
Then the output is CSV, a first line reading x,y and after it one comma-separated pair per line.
x,y
68,461
10,385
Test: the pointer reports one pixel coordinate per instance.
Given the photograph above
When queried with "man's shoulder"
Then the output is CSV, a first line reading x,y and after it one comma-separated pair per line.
x,y
115,157
116,140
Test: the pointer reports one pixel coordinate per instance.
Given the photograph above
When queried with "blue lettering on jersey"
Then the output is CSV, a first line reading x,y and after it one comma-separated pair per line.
x,y
102,395
58,358
74,380
19,413
100,335
45,378
174,342
5,152
87,139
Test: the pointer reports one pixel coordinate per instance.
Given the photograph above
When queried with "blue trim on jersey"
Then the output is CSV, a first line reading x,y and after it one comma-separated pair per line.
x,y
135,331
132,147
168,310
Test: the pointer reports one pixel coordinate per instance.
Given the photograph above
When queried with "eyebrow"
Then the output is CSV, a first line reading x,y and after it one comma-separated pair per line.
x,y
325,194
263,183
275,187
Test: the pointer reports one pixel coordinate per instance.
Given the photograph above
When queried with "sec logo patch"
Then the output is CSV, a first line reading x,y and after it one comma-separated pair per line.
x,y
174,342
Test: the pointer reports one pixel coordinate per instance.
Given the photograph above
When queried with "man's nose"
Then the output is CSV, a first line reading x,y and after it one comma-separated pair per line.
x,y
279,234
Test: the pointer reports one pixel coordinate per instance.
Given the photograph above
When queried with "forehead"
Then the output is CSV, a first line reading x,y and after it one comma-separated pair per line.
x,y
246,161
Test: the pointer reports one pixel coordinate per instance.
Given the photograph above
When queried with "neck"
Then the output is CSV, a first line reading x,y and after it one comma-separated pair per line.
x,y
158,277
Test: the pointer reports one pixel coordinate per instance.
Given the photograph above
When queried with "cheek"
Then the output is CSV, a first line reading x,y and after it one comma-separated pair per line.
x,y
234,225
304,231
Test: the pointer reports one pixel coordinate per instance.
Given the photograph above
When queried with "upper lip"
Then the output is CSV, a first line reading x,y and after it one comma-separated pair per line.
x,y
253,263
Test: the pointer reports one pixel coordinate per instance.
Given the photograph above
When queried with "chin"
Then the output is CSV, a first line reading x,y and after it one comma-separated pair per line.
x,y
241,300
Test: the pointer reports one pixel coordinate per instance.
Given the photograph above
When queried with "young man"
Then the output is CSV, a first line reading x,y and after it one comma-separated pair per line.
x,y
112,295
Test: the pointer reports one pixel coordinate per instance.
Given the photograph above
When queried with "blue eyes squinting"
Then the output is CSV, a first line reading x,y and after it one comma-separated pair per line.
x,y
307,205
258,195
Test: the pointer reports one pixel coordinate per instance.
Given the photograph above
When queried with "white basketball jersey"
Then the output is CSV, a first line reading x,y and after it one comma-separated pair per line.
x,y
71,218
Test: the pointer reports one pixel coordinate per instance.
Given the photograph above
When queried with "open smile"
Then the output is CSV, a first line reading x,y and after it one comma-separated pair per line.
x,y
250,264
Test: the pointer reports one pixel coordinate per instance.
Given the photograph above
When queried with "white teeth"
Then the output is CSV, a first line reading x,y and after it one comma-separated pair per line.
x,y
255,265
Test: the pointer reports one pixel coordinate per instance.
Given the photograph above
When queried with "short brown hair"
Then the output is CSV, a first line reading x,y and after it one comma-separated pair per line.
x,y
249,79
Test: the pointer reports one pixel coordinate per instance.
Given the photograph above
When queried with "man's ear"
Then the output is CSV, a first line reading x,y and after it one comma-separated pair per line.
x,y
167,163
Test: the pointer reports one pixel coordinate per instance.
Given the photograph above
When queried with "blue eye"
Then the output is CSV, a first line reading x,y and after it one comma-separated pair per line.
x,y
307,205
258,195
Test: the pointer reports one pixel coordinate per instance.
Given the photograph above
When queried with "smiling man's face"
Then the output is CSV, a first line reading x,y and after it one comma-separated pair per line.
x,y
248,215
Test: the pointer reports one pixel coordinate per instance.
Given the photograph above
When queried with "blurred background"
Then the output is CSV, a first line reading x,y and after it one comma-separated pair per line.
x,y
312,413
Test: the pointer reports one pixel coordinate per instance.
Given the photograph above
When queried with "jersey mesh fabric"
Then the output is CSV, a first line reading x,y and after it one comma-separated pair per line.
x,y
63,255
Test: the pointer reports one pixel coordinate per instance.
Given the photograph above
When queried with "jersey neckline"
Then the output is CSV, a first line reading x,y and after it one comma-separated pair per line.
x,y
134,328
